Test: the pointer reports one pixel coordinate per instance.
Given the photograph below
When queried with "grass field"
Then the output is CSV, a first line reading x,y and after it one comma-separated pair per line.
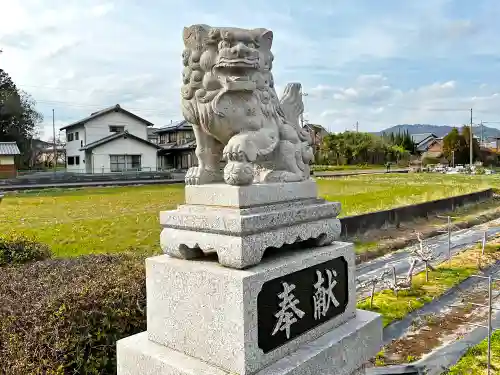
x,y
99,220
475,360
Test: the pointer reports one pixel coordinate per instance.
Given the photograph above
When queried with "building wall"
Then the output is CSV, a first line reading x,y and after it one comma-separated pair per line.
x,y
73,148
180,137
8,170
7,166
98,128
437,146
100,156
7,160
183,159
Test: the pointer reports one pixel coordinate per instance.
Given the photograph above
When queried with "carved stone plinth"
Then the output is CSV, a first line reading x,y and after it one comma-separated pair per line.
x,y
240,223
207,319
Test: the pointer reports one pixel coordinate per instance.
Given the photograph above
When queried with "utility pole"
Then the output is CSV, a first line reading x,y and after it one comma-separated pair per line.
x,y
302,113
54,135
357,126
482,134
471,139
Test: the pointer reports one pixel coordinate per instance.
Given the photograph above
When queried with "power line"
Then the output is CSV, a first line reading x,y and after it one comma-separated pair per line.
x,y
97,106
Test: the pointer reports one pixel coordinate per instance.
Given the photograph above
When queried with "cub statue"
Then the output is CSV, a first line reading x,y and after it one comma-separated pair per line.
x,y
228,95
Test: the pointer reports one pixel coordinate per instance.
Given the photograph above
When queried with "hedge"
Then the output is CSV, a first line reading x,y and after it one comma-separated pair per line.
x,y
64,316
16,249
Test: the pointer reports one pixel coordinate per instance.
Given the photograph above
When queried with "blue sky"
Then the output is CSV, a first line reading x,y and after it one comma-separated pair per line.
x,y
379,62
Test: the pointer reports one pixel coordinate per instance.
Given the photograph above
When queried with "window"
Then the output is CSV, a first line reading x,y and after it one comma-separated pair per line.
x,y
81,143
135,161
73,160
70,137
77,136
116,129
119,163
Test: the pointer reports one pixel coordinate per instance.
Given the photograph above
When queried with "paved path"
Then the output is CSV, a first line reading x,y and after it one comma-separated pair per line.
x,y
448,355
89,184
439,244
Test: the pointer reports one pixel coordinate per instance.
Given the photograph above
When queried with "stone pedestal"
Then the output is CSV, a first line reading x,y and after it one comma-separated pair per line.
x,y
341,351
240,223
289,312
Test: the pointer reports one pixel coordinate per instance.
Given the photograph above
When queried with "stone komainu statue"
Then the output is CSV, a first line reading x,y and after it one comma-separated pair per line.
x,y
228,95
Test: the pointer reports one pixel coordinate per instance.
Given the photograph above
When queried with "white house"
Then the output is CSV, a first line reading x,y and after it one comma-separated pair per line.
x,y
110,140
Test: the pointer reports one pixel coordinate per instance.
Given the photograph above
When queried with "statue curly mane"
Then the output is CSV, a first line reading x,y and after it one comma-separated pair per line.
x,y
228,95
202,88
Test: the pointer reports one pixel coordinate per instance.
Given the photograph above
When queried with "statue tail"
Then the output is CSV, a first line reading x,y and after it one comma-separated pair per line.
x,y
292,107
291,103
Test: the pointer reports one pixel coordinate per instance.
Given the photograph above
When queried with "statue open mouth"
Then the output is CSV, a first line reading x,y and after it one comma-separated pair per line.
x,y
236,67
235,74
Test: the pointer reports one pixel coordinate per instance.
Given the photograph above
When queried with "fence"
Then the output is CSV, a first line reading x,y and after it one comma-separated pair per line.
x,y
41,177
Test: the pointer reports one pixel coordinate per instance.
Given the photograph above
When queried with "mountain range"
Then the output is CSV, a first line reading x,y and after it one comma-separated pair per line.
x,y
438,130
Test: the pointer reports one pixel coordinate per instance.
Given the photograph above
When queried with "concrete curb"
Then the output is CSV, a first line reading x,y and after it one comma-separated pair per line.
x,y
69,185
351,225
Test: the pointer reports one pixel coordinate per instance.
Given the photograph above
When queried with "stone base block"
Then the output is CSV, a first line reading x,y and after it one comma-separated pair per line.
x,y
223,195
341,351
240,236
213,313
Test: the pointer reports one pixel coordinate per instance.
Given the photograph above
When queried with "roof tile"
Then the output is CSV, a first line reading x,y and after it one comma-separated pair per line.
x,y
9,148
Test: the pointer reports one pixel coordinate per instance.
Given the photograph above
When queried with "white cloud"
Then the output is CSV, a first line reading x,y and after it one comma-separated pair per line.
x,y
101,9
81,56
378,106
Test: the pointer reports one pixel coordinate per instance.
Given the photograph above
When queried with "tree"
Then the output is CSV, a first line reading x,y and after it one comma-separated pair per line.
x,y
454,146
19,119
476,150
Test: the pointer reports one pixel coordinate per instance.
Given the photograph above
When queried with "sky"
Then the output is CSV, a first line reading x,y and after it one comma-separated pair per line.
x,y
375,62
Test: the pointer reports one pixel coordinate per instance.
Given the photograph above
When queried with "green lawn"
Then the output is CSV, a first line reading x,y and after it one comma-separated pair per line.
x,y
97,220
474,362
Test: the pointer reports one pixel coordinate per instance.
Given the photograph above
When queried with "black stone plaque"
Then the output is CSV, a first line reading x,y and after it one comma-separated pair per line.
x,y
291,305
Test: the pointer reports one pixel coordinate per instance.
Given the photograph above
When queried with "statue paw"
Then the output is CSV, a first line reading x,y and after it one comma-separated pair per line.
x,y
238,173
240,149
200,176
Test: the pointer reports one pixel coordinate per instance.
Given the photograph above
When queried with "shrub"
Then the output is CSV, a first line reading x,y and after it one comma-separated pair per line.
x,y
15,249
429,160
64,316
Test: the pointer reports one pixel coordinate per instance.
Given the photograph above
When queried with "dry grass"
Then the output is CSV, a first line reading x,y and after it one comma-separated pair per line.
x,y
105,220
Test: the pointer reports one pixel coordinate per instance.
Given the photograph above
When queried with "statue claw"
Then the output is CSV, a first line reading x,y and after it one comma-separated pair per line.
x,y
200,176
240,149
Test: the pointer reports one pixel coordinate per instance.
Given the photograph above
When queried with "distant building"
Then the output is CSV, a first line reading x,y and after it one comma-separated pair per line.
x,y
317,133
153,135
110,140
8,152
423,141
178,145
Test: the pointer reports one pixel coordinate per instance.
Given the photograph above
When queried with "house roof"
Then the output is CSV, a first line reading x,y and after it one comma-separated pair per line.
x,y
316,127
38,143
9,148
426,144
152,132
179,125
115,136
115,108
173,146
418,138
